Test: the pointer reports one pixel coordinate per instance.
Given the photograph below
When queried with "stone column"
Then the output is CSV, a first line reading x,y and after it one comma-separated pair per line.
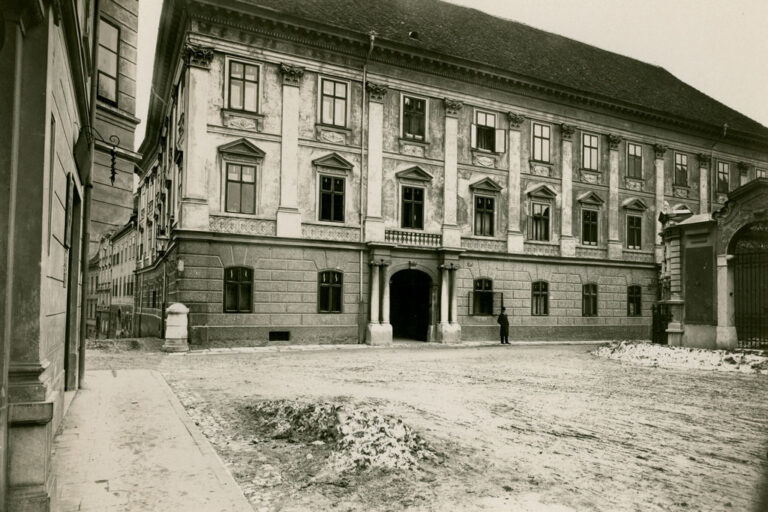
x,y
659,150
288,215
451,232
515,238
444,295
726,337
194,200
374,223
384,281
375,293
449,330
614,244
704,161
377,333
567,242
454,297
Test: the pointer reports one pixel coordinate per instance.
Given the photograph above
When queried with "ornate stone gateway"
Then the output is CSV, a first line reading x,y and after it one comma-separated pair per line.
x,y
750,274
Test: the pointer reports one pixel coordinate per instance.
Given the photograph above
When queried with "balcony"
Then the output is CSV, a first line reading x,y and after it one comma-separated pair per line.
x,y
413,238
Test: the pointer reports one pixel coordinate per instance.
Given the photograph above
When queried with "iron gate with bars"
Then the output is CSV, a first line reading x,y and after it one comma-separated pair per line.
x,y
661,318
750,287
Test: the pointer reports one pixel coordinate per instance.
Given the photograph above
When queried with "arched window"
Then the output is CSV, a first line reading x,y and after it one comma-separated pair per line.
x,y
589,300
238,286
329,291
540,298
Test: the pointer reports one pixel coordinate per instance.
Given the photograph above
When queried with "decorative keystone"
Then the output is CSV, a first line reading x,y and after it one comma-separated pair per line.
x,y
291,74
704,160
567,131
660,149
515,120
376,92
614,141
452,107
197,56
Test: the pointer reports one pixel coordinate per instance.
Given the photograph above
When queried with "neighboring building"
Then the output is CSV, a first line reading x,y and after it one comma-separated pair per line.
x,y
122,264
104,287
45,161
326,171
112,201
92,327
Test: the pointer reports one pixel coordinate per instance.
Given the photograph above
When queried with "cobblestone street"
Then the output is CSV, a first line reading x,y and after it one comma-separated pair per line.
x,y
522,427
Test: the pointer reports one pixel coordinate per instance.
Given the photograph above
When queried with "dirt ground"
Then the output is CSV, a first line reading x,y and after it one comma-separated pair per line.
x,y
518,428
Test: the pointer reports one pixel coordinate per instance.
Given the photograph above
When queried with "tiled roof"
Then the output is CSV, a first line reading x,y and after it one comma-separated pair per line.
x,y
513,47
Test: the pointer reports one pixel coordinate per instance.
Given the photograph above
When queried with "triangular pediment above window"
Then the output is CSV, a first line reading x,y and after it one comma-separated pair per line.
x,y
333,161
415,173
485,185
241,148
681,209
634,204
541,192
590,199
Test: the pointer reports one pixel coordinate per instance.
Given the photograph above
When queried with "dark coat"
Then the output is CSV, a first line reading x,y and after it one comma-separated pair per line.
x,y
503,322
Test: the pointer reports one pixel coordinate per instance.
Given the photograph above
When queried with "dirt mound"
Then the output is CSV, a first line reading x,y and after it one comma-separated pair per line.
x,y
361,438
648,354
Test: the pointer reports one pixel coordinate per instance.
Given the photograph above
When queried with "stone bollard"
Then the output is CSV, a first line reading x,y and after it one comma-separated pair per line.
x,y
176,328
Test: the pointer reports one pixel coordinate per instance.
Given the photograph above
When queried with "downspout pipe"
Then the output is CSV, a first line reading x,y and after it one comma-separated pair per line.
x,y
363,161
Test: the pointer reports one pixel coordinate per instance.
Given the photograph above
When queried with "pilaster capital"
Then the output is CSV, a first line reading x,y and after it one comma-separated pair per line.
x,y
659,150
379,263
614,141
376,92
449,266
291,74
742,166
704,160
567,131
452,107
197,56
515,120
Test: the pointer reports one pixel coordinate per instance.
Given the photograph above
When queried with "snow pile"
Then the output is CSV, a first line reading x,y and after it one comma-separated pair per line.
x,y
362,438
648,354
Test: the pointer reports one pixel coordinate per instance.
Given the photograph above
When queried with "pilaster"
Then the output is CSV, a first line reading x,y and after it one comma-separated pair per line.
x,y
567,242
515,239
614,244
288,215
374,223
449,329
378,333
704,163
726,337
659,151
451,232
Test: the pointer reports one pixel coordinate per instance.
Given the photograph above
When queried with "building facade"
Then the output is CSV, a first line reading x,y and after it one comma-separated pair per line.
x,y
46,62
92,326
371,178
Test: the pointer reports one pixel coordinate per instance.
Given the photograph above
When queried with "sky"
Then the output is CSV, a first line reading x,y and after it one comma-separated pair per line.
x,y
717,46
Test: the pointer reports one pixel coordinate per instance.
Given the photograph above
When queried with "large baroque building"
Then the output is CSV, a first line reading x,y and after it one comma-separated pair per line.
x,y
319,171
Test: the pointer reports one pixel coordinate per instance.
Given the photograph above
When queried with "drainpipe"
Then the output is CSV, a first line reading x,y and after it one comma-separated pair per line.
x,y
363,165
88,187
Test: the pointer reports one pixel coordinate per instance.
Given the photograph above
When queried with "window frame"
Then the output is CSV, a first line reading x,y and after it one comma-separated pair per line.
x,y
479,302
238,282
320,95
634,297
99,72
631,158
403,135
589,300
595,148
723,167
333,176
532,219
760,173
228,61
596,212
534,137
241,164
639,217
486,196
485,127
681,165
542,294
330,286
403,186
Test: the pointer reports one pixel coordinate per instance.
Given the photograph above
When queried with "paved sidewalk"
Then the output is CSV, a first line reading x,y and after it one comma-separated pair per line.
x,y
128,445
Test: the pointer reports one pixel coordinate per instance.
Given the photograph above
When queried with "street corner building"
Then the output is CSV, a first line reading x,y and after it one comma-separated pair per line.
x,y
55,69
339,171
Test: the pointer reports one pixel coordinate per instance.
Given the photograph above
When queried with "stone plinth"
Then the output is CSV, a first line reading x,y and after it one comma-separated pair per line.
x,y
176,333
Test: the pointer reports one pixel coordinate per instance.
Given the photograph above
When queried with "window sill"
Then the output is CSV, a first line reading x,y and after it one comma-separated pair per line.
x,y
331,223
489,152
541,242
237,215
484,237
242,113
543,162
636,251
406,140
342,129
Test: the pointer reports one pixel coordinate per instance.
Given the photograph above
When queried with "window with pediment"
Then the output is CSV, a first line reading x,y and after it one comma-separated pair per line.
x,y
485,194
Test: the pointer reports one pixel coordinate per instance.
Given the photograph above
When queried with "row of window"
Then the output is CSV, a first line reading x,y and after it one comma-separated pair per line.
x,y
123,286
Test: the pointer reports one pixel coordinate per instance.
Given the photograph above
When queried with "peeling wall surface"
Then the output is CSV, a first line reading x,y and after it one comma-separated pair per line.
x,y
287,243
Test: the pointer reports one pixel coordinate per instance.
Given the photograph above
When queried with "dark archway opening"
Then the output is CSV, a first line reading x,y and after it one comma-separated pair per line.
x,y
409,304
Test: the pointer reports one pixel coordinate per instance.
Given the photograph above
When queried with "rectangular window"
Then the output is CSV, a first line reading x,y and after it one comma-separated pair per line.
x,y
760,173
329,291
540,298
634,301
243,86
681,170
634,161
484,215
541,142
485,131
109,55
482,298
634,231
333,102
539,229
723,177
589,227
589,300
414,118
413,208
241,188
589,154
238,285
331,199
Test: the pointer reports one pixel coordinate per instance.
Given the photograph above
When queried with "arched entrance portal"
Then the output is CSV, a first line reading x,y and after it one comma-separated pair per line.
x,y
749,247
409,304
